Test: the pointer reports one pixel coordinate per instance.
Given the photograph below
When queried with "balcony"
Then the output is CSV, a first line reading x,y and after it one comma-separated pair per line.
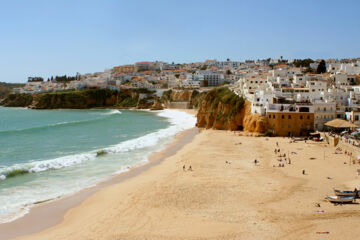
x,y
298,107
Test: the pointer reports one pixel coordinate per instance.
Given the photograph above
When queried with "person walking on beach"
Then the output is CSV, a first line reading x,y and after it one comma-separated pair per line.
x,y
184,168
303,171
190,168
277,144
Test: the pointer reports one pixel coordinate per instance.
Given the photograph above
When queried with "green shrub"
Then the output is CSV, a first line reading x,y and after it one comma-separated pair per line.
x,y
224,96
269,133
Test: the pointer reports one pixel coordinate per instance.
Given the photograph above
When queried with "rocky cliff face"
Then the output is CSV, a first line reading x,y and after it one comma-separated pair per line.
x,y
75,99
90,98
253,122
181,96
222,109
176,96
17,100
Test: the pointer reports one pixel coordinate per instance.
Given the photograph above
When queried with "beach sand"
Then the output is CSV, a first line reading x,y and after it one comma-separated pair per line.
x,y
225,196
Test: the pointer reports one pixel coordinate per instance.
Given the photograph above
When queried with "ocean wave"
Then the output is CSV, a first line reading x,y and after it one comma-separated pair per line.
x,y
40,166
179,121
70,123
112,112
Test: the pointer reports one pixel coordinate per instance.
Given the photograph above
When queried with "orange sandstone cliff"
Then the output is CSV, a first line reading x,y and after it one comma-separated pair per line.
x,y
222,109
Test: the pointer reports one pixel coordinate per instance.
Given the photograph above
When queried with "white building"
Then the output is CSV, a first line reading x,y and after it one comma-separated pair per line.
x,y
353,116
230,64
190,84
342,79
212,78
299,80
350,68
323,112
316,86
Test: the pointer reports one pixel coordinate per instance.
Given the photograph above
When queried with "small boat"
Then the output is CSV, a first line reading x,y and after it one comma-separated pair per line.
x,y
345,193
341,199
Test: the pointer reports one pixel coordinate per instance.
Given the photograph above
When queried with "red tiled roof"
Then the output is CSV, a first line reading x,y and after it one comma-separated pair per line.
x,y
281,65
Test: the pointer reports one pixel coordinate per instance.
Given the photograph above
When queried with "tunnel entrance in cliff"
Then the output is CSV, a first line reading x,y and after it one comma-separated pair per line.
x,y
240,128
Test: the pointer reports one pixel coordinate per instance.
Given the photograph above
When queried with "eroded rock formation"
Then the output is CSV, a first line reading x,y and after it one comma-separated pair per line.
x,y
222,109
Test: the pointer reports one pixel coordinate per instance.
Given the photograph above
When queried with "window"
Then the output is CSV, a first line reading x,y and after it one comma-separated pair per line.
x,y
289,117
274,116
301,117
356,118
308,117
289,126
283,116
269,116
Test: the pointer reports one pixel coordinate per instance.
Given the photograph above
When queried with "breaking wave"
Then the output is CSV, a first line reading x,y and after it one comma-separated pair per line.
x,y
179,121
61,124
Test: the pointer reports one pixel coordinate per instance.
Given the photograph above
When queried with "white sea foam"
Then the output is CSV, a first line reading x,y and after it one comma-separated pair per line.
x,y
61,162
112,112
179,121
52,164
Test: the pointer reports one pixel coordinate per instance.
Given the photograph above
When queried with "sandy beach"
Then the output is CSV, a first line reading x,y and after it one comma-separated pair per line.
x,y
225,196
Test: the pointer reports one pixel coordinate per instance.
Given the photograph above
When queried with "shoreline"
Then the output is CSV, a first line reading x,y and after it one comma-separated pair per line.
x,y
54,210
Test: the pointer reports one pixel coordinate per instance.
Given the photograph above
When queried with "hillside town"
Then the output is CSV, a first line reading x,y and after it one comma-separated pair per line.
x,y
296,96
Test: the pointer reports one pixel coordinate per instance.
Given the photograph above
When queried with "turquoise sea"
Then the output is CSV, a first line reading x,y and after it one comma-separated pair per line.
x,y
46,154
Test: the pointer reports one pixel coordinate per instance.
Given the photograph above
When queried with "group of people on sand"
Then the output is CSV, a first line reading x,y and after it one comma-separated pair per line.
x,y
277,151
189,169
285,160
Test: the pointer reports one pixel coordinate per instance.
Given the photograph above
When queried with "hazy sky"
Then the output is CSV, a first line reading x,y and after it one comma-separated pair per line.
x,y
44,38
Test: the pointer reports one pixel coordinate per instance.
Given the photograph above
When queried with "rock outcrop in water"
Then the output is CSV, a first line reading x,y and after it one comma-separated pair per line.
x,y
223,109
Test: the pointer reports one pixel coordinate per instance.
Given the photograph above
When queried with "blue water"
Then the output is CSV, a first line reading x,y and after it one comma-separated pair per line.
x,y
63,151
